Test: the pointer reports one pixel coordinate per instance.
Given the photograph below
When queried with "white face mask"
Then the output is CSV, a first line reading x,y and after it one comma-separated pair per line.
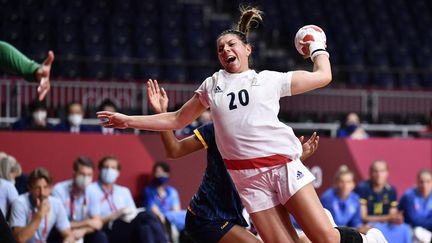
x,y
75,119
83,181
109,175
39,116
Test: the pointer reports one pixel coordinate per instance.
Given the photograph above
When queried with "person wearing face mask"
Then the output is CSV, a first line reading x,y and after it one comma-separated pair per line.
x,y
36,213
37,121
81,211
108,105
352,128
162,198
73,124
123,222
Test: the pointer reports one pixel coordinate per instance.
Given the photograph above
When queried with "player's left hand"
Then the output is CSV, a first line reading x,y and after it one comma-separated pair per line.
x,y
310,146
43,76
158,98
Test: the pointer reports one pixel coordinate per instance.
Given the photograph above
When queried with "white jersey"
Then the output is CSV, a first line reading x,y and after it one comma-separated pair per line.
x,y
244,109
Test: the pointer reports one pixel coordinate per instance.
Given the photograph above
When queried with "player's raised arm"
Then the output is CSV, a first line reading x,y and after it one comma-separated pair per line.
x,y
310,42
159,122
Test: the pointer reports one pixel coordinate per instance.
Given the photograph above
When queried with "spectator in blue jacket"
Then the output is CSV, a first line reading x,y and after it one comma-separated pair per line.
x,y
416,205
342,202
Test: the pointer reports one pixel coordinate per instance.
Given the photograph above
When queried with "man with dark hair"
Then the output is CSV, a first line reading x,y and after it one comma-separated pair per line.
x,y
37,121
34,214
73,122
162,198
81,211
123,221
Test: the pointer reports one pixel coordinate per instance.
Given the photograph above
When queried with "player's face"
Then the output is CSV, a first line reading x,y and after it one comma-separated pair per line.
x,y
40,189
345,184
379,173
424,184
233,54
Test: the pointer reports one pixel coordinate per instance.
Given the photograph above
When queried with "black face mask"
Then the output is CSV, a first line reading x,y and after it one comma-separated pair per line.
x,y
158,181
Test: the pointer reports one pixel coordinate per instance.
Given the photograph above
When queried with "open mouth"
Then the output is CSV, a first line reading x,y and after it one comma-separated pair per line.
x,y
230,59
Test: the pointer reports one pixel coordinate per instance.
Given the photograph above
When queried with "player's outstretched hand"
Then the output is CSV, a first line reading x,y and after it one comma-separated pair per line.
x,y
113,120
158,98
310,146
43,76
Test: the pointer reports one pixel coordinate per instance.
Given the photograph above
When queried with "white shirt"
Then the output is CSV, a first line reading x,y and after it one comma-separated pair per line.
x,y
22,211
8,194
82,206
244,109
109,202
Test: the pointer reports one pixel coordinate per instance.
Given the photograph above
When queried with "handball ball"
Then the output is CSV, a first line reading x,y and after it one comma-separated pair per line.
x,y
308,33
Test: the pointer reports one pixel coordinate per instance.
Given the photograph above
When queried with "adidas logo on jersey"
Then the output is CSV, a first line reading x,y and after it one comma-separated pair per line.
x,y
218,89
299,175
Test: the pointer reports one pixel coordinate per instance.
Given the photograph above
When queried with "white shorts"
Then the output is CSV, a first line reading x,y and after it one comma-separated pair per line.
x,y
272,187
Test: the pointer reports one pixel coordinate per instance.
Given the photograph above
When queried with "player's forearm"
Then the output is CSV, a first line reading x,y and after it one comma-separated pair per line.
x,y
79,224
158,122
68,236
322,69
14,61
171,144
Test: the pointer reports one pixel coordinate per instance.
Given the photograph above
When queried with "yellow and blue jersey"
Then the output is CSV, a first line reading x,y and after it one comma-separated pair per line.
x,y
217,198
378,203
417,209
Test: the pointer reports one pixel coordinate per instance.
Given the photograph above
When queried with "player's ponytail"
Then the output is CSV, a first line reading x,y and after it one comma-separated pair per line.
x,y
250,17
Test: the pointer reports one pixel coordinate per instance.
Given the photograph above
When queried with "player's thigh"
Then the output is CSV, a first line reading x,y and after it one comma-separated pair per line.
x,y
238,234
309,213
271,226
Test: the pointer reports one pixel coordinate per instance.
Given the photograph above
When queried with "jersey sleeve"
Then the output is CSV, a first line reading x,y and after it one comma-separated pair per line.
x,y
361,191
205,134
203,92
14,61
281,81
12,195
147,199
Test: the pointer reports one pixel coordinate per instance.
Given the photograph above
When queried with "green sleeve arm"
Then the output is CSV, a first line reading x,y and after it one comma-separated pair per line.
x,y
12,60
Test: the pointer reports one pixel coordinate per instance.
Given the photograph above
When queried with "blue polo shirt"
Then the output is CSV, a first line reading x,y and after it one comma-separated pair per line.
x,y
417,209
23,209
378,203
345,212
217,198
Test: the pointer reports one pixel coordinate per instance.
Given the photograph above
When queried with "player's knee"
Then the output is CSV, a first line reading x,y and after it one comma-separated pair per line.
x,y
349,235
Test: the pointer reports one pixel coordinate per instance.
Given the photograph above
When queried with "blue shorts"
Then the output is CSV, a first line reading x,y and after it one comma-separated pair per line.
x,y
204,230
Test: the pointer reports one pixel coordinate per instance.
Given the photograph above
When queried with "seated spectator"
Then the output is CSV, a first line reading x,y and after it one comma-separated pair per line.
x,y
37,121
82,213
162,198
416,204
122,221
378,202
73,124
342,202
108,105
10,170
8,192
352,128
34,214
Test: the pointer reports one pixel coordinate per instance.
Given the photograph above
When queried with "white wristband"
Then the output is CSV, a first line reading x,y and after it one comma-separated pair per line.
x,y
317,48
